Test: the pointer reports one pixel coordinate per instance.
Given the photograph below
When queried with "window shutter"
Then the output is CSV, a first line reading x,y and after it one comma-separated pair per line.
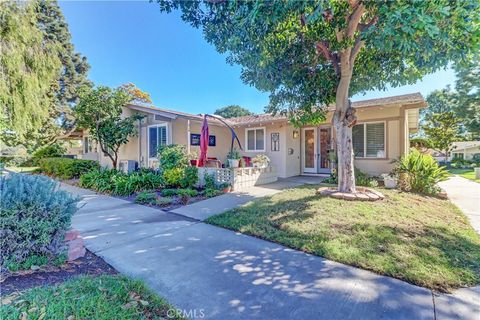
x,y
152,142
357,141
376,140
162,132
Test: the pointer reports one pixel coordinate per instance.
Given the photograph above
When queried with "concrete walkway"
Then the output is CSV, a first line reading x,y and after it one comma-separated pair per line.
x,y
466,195
226,275
213,206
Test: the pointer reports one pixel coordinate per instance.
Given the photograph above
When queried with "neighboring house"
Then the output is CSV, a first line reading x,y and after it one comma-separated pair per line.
x,y
465,150
380,136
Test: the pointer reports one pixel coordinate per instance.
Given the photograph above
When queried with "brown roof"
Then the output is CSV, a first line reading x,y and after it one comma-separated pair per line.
x,y
394,100
267,117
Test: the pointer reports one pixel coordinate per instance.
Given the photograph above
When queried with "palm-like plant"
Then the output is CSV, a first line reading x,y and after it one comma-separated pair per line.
x,y
422,172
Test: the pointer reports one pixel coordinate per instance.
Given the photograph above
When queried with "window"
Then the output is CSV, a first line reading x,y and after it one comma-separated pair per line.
x,y
368,140
89,145
157,136
458,156
255,139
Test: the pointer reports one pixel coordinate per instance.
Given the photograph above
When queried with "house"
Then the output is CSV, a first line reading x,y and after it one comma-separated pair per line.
x,y
466,150
380,136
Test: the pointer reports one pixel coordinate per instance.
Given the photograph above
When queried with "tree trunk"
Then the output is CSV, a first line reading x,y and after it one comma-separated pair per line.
x,y
343,132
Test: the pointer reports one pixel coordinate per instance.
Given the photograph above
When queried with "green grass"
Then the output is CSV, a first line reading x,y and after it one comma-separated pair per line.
x,y
103,297
423,240
466,173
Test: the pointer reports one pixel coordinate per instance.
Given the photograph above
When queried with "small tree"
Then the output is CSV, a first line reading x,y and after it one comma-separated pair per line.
x,y
442,129
232,111
100,112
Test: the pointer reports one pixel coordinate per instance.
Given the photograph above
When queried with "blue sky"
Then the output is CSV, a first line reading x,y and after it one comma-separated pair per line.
x,y
135,42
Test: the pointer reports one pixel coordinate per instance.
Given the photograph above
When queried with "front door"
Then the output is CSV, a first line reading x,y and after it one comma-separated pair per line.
x,y
309,138
324,139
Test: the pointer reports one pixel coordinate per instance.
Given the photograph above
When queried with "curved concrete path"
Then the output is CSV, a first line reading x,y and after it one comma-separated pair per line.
x,y
210,271
466,195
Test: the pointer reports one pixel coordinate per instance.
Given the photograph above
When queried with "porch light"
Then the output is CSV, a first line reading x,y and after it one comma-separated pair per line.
x,y
295,134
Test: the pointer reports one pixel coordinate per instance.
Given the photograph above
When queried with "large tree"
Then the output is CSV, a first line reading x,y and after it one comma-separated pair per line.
x,y
75,67
99,111
29,71
468,92
310,54
232,111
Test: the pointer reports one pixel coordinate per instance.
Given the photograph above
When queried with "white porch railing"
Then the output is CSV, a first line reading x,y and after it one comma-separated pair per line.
x,y
239,178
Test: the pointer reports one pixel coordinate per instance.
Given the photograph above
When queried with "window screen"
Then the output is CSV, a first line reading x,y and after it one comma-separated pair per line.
x,y
375,140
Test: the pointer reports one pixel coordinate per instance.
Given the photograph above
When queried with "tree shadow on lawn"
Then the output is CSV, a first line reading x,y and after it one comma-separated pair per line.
x,y
424,253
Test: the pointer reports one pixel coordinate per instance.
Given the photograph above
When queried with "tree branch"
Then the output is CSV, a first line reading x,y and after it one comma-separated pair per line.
x,y
354,20
356,49
365,26
323,47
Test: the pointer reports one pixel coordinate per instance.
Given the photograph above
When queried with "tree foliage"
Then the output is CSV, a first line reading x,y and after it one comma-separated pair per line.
x,y
468,89
441,130
75,67
29,70
100,112
232,111
281,44
305,52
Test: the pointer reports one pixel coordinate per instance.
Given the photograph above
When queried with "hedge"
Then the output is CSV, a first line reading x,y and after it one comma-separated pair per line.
x,y
67,168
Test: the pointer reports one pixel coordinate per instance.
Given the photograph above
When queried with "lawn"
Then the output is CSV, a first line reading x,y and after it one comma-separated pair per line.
x,y
466,173
103,297
422,240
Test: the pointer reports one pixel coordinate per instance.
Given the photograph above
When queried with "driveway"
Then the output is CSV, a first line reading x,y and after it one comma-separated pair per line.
x,y
210,271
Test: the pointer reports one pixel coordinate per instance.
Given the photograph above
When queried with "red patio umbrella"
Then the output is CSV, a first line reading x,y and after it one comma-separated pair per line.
x,y
203,143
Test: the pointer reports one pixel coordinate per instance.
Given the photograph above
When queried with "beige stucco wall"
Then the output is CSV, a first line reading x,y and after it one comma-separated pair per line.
x,y
286,164
277,158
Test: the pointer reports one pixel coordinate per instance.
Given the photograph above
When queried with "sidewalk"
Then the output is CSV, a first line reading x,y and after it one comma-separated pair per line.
x,y
465,194
229,275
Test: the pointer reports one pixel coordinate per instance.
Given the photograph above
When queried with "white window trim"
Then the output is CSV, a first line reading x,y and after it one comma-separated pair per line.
x,y
364,124
148,136
255,140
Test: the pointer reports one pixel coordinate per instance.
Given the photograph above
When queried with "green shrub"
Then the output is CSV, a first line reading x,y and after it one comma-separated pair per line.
x,y
172,156
34,217
209,181
190,177
51,151
173,177
116,182
210,193
361,179
420,172
169,192
164,201
66,168
146,197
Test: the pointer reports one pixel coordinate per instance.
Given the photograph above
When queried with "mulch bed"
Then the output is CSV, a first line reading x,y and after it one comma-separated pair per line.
x,y
177,203
90,264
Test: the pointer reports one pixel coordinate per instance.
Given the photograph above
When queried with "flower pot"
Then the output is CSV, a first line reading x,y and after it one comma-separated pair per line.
x,y
227,189
390,183
233,163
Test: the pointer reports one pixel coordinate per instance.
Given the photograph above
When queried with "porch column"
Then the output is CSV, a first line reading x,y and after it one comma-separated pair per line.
x,y
188,136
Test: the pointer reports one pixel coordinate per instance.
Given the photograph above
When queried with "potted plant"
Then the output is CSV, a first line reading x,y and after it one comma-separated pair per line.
x,y
260,161
390,180
225,187
233,158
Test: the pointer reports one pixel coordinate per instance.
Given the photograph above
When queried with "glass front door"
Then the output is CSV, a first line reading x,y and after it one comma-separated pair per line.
x,y
325,146
309,150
